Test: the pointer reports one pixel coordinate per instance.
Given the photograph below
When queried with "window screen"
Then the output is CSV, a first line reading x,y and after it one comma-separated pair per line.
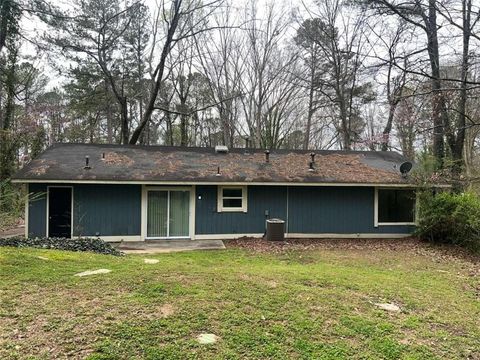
x,y
396,206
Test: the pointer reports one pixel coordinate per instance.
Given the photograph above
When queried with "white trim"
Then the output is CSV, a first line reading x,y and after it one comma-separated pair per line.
x,y
287,220
349,236
226,236
191,211
143,215
193,198
396,223
305,236
220,197
48,209
375,218
190,183
168,238
27,202
118,238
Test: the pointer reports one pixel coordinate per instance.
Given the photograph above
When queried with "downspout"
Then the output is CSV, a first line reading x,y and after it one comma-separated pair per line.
x,y
286,224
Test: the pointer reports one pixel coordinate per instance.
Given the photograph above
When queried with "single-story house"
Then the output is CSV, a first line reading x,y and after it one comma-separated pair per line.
x,y
136,193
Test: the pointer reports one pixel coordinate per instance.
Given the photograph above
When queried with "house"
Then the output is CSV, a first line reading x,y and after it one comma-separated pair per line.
x,y
133,193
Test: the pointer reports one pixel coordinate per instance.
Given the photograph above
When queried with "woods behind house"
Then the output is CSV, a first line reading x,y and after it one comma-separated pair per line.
x,y
353,75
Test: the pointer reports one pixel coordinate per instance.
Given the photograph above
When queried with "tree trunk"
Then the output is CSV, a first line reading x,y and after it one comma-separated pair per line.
x,y
457,142
124,119
388,127
439,115
158,73
308,126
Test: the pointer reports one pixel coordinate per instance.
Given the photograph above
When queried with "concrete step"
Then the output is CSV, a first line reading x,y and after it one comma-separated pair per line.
x,y
165,246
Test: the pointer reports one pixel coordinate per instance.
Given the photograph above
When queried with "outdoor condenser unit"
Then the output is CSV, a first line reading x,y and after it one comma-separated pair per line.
x,y
275,230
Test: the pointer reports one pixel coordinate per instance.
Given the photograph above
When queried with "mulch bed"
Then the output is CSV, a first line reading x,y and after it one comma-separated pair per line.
x,y
403,244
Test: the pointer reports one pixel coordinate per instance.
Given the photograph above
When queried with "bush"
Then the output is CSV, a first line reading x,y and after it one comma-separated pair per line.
x,y
450,218
81,244
12,204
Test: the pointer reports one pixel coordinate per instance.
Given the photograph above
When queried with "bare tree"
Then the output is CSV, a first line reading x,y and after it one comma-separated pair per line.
x,y
341,41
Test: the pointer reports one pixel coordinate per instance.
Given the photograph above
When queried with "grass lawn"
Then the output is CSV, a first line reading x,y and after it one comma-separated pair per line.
x,y
315,304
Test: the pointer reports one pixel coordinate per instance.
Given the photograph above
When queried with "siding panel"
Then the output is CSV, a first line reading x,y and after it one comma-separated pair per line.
x,y
260,198
107,210
340,210
37,210
312,210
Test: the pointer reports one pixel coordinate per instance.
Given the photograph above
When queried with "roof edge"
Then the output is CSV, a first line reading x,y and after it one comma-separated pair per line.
x,y
171,183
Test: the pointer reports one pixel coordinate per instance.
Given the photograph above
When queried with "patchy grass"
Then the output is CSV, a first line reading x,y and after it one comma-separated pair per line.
x,y
296,304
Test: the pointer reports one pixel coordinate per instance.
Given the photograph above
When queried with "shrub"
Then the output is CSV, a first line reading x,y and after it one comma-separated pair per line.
x,y
81,244
450,218
12,204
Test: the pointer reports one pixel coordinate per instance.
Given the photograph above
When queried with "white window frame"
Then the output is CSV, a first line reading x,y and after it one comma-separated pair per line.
x,y
220,198
377,224
191,225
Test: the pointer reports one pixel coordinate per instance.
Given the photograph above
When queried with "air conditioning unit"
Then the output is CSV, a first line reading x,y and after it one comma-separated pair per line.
x,y
275,230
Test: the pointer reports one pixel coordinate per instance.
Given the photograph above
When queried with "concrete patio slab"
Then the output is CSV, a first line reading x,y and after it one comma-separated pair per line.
x,y
168,246
13,232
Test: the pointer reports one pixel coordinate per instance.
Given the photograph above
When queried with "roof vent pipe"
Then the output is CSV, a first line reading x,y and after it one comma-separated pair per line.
x,y
218,171
312,156
247,144
310,166
87,162
267,156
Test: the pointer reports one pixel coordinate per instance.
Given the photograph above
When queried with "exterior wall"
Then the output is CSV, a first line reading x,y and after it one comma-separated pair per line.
x,y
311,210
116,210
260,199
37,210
98,210
107,210
336,210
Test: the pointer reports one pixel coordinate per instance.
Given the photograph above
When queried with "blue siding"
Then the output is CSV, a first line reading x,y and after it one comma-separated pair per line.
x,y
37,210
115,210
260,198
311,210
107,210
340,210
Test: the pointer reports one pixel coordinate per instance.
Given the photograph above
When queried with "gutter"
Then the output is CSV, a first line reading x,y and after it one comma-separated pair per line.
x,y
236,183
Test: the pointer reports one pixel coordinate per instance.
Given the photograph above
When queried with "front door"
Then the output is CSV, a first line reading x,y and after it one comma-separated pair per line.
x,y
168,214
60,212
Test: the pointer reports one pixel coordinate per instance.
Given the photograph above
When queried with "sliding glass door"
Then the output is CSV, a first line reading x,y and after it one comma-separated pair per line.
x,y
168,213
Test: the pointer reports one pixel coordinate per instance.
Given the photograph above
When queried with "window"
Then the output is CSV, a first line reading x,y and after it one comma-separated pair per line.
x,y
232,198
395,206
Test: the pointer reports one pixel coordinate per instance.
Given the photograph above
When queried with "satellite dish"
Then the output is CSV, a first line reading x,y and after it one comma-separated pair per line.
x,y
406,167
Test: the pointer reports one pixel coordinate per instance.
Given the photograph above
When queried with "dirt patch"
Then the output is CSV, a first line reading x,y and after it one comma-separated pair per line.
x,y
167,310
438,252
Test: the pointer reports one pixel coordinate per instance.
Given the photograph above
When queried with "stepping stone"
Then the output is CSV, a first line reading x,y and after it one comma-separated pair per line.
x,y
42,258
151,261
388,307
207,338
93,272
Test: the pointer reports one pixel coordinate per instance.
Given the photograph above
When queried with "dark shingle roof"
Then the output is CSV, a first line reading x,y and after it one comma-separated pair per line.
x,y
66,162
